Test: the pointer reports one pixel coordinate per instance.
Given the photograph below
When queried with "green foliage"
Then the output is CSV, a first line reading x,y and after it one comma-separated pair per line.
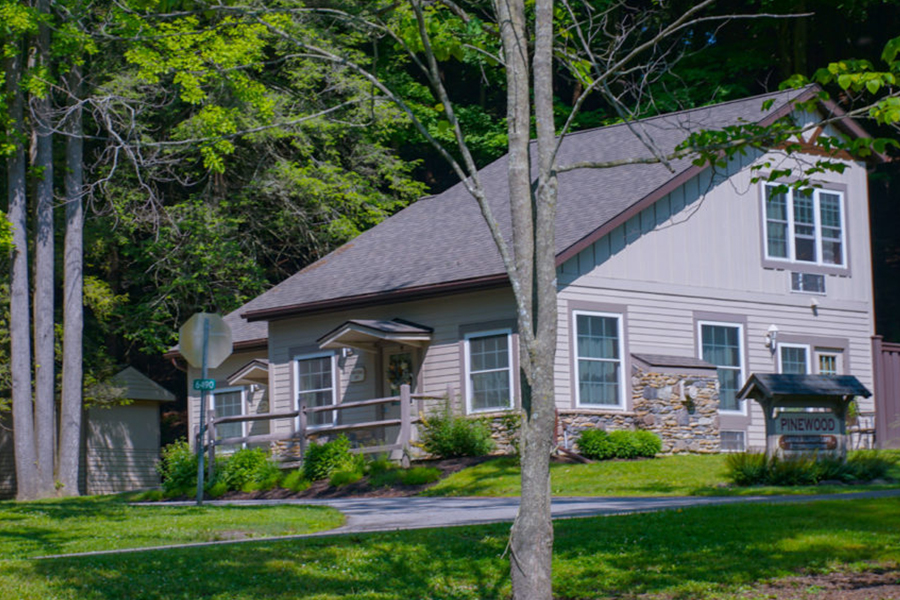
x,y
384,473
178,469
599,445
752,468
321,460
450,436
249,470
345,477
419,475
295,481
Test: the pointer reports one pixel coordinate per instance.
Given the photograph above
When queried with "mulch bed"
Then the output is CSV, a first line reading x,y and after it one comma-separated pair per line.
x,y
881,583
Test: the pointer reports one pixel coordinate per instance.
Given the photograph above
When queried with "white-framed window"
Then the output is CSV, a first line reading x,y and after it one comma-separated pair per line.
x,y
829,361
316,379
489,372
599,359
793,359
732,441
805,225
722,344
229,402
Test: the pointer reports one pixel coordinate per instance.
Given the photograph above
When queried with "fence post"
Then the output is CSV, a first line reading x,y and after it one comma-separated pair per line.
x,y
211,459
879,366
302,419
405,424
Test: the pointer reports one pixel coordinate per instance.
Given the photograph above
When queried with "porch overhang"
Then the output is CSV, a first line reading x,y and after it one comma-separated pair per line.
x,y
255,372
369,334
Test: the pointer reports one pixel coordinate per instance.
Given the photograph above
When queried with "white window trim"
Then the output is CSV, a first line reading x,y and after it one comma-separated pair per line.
x,y
790,345
622,383
817,227
229,390
468,369
743,375
838,356
334,385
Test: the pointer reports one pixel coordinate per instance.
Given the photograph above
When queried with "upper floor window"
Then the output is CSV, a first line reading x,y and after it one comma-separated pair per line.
x,y
489,384
721,344
805,225
598,353
316,386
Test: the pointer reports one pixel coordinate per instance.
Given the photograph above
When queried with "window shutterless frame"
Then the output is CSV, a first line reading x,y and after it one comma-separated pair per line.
x,y
217,404
323,383
712,356
491,368
594,361
794,358
805,227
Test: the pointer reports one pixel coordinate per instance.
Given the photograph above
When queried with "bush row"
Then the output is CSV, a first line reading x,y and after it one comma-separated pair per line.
x,y
754,468
250,470
598,444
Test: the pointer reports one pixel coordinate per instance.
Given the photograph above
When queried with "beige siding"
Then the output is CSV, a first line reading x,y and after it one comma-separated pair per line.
x,y
700,250
122,448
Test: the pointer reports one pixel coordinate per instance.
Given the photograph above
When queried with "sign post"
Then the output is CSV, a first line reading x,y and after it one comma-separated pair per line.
x,y
205,342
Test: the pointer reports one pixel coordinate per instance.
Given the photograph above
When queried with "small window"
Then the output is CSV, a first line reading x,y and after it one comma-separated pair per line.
x,y
721,344
829,361
732,441
316,387
489,371
598,353
810,283
794,359
805,225
228,402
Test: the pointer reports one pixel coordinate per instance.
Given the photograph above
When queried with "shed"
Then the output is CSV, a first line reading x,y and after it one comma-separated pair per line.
x,y
122,441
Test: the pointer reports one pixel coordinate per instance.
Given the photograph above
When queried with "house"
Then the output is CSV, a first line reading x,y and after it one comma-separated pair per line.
x,y
674,286
120,442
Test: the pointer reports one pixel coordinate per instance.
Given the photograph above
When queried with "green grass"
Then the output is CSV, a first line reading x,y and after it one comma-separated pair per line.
x,y
679,475
701,553
108,522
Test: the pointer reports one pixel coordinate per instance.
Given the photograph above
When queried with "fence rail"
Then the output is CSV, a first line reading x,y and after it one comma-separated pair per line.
x,y
302,431
886,359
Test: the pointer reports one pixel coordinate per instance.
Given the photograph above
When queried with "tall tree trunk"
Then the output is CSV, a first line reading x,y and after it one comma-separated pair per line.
x,y
533,215
19,313
73,306
44,380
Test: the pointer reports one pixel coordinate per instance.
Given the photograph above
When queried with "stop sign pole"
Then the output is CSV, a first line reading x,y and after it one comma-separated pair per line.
x,y
204,341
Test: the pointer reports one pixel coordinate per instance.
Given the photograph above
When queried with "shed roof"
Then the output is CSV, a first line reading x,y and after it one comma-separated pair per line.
x,y
780,385
134,385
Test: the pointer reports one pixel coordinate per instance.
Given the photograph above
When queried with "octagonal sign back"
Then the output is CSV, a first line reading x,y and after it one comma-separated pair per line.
x,y
190,340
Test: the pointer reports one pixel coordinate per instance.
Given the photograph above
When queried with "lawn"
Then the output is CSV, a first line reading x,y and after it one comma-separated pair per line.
x,y
30,529
678,475
703,553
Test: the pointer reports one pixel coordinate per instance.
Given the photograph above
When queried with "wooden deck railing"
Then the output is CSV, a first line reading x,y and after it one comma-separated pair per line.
x,y
301,431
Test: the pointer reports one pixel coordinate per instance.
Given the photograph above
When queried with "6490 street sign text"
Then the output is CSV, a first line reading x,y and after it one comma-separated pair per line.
x,y
205,384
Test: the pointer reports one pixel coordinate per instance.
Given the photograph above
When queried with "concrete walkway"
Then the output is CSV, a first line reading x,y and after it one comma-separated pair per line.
x,y
391,514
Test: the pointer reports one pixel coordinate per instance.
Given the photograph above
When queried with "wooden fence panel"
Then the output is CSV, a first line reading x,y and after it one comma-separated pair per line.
x,y
886,357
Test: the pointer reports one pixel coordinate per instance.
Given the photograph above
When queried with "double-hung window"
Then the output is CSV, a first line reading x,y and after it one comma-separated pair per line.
x,y
805,226
316,386
489,384
794,359
721,344
599,360
801,359
229,402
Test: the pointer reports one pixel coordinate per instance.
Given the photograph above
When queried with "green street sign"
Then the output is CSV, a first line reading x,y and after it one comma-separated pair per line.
x,y
205,384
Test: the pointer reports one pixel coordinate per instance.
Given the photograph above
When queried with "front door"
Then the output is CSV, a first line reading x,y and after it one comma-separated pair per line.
x,y
399,368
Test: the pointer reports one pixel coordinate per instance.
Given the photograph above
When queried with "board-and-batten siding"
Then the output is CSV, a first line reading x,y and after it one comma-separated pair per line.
x,y
699,249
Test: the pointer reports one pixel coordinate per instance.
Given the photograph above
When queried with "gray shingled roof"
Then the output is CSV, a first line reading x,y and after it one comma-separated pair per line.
x,y
442,239
772,385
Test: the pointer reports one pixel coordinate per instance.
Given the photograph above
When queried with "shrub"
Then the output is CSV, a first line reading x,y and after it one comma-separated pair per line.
x,y
217,489
450,436
295,481
594,444
866,465
747,468
322,460
648,443
600,445
419,475
345,477
250,469
178,469
796,470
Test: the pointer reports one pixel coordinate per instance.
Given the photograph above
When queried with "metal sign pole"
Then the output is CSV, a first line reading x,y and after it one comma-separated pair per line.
x,y
205,375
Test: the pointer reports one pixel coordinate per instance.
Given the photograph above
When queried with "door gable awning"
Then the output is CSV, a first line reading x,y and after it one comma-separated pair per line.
x,y
255,372
368,334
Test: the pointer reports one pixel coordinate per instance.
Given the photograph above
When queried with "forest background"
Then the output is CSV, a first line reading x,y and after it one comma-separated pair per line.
x,y
218,161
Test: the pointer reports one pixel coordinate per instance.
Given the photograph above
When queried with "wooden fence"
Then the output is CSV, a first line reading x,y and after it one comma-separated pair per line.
x,y
886,358
411,406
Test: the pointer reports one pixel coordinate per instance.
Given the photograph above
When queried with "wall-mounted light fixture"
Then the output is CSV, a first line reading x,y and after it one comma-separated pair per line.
x,y
814,306
346,351
772,338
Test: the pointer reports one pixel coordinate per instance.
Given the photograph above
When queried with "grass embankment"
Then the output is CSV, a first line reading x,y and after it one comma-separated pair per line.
x,y
31,529
679,475
701,553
